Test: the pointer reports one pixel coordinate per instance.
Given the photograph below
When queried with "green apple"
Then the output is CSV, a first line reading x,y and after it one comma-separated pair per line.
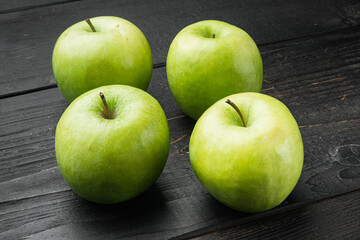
x,y
103,51
111,148
210,60
251,166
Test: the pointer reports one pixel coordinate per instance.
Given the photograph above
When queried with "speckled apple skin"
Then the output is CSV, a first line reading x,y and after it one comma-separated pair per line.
x,y
112,160
201,69
253,168
117,53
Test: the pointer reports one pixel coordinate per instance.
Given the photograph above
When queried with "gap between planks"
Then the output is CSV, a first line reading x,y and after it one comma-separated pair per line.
x,y
180,150
205,231
50,86
163,64
36,6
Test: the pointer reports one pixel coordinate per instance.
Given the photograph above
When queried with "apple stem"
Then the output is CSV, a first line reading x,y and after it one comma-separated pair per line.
x,y
213,36
228,101
107,112
90,24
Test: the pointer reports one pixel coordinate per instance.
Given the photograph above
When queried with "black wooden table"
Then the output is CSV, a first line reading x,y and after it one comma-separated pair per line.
x,y
311,56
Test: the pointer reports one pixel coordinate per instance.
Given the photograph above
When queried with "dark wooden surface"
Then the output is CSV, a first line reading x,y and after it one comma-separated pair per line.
x,y
330,218
27,37
311,55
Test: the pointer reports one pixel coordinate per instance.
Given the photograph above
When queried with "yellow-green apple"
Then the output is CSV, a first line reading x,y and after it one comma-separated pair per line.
x,y
112,147
103,51
247,151
210,60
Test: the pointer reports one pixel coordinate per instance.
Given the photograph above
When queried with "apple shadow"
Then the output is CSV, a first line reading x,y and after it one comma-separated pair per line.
x,y
136,216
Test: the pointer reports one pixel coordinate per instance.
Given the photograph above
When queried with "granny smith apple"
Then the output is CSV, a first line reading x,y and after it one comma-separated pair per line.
x,y
112,143
247,151
210,60
101,51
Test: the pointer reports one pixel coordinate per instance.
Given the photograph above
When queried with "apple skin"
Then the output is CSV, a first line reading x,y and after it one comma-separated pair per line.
x,y
112,160
201,69
253,168
117,53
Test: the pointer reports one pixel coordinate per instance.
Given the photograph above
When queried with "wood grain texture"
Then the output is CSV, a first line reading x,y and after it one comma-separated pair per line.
x,y
23,5
28,37
335,218
316,77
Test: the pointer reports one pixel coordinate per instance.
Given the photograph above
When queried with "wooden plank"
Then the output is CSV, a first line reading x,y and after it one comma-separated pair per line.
x,y
288,77
28,37
22,5
177,204
334,218
316,77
